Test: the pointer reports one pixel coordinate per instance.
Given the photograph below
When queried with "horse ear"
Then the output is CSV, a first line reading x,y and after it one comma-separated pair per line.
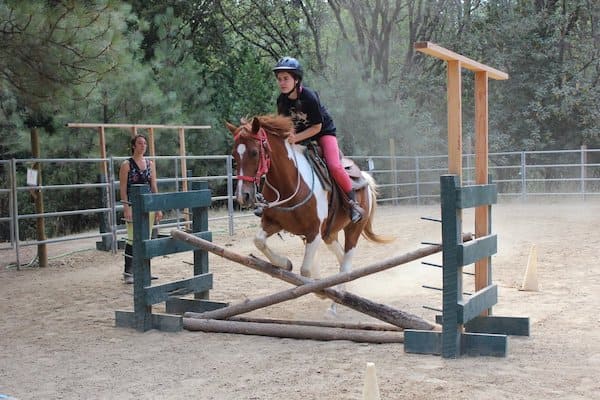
x,y
255,125
231,127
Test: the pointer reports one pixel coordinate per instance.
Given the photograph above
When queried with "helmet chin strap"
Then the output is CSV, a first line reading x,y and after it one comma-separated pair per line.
x,y
297,86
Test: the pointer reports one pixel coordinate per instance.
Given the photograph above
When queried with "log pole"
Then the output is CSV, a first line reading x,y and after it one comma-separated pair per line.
x,y
291,331
306,285
323,324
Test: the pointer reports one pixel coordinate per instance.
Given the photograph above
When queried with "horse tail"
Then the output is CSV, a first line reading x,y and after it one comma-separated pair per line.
x,y
367,231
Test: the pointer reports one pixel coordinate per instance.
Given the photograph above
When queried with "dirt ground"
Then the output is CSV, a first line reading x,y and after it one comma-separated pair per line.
x,y
58,339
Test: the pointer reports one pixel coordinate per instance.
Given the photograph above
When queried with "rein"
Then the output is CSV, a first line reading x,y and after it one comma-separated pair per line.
x,y
264,164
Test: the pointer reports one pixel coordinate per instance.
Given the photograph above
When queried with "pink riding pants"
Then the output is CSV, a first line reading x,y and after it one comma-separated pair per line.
x,y
331,153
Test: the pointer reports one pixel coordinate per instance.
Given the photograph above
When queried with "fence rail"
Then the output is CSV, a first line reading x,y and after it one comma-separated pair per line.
x,y
401,180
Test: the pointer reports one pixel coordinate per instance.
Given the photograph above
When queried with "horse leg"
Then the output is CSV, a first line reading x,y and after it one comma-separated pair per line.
x,y
260,241
310,251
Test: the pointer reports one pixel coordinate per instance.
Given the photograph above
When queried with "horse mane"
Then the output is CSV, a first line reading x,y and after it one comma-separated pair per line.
x,y
277,125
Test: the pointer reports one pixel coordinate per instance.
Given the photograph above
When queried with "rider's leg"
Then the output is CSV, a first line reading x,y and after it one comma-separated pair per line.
x,y
331,153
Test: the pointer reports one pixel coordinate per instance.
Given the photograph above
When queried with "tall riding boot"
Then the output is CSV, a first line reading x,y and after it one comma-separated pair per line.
x,y
356,211
128,272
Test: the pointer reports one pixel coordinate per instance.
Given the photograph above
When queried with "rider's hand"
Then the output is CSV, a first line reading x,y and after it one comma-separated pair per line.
x,y
292,138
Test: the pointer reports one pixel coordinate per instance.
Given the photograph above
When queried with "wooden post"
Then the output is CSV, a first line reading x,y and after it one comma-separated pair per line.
x,y
183,161
454,118
38,196
394,168
152,148
483,73
102,141
482,214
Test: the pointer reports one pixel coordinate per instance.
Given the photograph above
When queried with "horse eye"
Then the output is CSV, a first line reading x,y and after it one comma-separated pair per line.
x,y
253,153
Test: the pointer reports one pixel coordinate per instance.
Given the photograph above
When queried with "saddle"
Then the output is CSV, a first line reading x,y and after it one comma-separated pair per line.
x,y
314,154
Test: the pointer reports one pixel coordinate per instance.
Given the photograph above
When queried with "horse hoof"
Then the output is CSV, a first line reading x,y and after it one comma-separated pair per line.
x,y
288,265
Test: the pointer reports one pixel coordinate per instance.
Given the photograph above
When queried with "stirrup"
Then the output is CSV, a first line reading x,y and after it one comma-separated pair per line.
x,y
356,211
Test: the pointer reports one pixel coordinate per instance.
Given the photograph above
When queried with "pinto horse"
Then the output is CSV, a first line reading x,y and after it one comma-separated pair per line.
x,y
294,198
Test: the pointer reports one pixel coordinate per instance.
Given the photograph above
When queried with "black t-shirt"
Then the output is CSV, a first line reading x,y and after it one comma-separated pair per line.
x,y
306,111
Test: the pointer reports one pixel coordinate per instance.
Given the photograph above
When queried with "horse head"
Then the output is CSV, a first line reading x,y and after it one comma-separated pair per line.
x,y
252,155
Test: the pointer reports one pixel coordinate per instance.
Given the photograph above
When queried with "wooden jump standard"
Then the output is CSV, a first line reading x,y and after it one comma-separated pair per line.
x,y
306,285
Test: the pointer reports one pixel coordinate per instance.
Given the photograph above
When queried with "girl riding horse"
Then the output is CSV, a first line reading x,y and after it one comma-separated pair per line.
x,y
312,121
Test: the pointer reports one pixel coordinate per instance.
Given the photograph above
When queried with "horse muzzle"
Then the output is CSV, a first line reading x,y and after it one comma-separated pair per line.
x,y
245,194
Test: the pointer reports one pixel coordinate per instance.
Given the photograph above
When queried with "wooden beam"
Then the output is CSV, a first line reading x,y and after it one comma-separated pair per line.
x,y
324,324
182,161
447,55
482,213
102,141
291,331
454,118
129,126
375,310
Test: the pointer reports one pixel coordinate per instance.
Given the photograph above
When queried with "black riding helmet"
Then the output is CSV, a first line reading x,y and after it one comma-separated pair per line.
x,y
291,65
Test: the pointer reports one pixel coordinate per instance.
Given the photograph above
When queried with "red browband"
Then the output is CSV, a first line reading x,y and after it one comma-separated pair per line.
x,y
264,162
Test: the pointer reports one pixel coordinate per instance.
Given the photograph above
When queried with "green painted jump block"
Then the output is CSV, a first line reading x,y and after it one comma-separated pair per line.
x,y
422,342
162,322
176,305
471,344
159,293
176,200
163,246
477,249
482,300
514,326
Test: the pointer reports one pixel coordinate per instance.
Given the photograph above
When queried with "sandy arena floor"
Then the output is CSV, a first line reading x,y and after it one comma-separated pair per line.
x,y
58,340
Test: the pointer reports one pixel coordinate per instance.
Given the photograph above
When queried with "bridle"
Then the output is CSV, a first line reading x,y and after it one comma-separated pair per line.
x,y
264,156
264,164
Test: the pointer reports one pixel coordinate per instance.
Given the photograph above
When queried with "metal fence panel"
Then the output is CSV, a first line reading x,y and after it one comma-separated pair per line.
x,y
401,180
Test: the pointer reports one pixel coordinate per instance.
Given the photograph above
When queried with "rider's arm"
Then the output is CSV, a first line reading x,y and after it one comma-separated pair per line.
x,y
307,133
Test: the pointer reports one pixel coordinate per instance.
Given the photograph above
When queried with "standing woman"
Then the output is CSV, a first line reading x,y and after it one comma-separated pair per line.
x,y
312,121
137,170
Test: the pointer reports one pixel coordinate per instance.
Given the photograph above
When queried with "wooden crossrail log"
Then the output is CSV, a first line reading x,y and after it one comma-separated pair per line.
x,y
325,324
305,285
292,331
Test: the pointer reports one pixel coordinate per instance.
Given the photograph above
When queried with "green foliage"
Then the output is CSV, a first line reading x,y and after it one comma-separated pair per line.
x,y
208,61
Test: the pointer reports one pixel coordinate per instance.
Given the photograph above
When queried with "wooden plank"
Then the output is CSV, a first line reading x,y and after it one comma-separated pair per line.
x,y
480,344
444,54
482,213
518,326
476,195
162,322
454,119
159,293
422,342
182,160
132,126
478,302
176,305
175,200
452,270
151,146
292,331
163,246
477,249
